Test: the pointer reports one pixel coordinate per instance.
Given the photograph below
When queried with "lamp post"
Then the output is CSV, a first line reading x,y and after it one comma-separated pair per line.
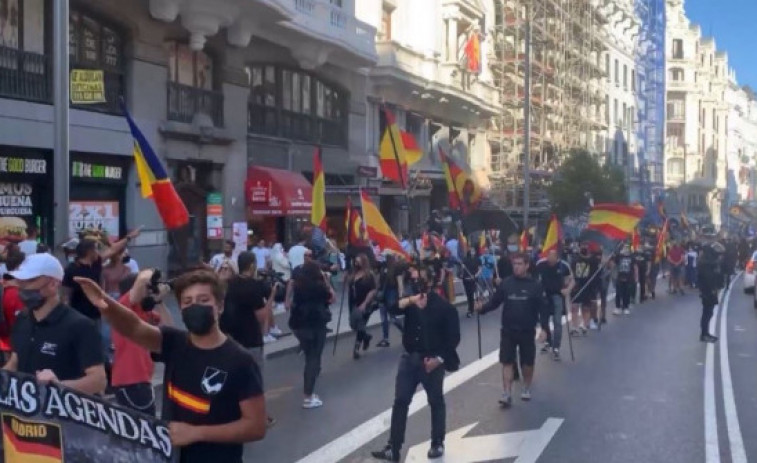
x,y
61,164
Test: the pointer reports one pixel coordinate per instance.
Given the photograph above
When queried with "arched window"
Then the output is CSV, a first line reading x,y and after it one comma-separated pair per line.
x,y
296,104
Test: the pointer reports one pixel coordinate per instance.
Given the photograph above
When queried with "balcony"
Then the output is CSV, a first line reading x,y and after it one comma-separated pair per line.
x,y
185,102
24,75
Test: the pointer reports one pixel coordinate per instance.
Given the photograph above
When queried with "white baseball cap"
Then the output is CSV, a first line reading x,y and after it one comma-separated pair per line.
x,y
38,265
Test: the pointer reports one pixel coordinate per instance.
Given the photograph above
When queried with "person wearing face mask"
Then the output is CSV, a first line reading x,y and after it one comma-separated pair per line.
x,y
50,339
212,387
362,290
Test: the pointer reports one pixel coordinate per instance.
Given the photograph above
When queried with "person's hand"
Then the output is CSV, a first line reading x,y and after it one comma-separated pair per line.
x,y
134,233
182,434
431,364
565,292
96,295
478,306
420,300
47,376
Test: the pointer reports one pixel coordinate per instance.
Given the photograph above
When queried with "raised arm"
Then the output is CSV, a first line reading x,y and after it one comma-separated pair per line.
x,y
119,245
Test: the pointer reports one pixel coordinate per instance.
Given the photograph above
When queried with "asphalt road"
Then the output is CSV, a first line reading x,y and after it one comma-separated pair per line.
x,y
635,394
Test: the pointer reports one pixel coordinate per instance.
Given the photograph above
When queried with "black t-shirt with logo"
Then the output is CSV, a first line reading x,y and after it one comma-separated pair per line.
x,y
244,297
552,276
584,267
625,267
204,387
79,300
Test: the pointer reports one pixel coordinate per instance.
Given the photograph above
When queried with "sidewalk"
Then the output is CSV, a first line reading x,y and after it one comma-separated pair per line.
x,y
288,343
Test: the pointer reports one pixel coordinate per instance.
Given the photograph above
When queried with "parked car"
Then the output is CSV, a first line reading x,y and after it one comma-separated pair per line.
x,y
749,274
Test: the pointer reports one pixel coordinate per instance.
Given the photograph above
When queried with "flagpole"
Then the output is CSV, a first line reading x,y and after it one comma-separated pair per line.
x,y
61,156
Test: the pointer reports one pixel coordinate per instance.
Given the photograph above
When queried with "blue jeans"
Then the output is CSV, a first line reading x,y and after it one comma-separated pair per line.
x,y
555,309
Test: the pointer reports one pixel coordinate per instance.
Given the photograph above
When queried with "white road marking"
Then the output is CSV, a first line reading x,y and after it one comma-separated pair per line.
x,y
366,432
711,442
738,453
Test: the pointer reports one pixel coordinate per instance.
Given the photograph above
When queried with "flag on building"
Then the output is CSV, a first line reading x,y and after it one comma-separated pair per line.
x,y
615,221
523,242
635,240
377,228
318,205
473,52
392,152
413,152
154,181
464,195
662,238
554,236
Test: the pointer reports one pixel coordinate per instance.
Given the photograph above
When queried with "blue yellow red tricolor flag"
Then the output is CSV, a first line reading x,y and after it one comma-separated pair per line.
x,y
154,180
318,205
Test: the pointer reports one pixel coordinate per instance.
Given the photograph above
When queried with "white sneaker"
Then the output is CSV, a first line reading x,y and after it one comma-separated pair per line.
x,y
525,395
275,331
267,339
617,312
313,402
593,325
279,309
626,311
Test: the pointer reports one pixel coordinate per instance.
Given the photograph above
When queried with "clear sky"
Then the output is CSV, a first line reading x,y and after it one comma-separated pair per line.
x,y
733,23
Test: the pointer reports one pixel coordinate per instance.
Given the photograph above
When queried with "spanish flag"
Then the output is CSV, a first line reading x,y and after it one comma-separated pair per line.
x,y
481,243
354,224
31,441
635,240
616,221
523,244
473,53
154,181
662,238
318,206
553,238
464,194
392,152
413,152
377,228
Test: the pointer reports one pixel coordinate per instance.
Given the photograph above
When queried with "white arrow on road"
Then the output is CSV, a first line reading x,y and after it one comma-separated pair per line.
x,y
527,446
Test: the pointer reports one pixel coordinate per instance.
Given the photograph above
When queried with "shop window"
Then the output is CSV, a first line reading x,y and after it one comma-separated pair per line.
x,y
295,104
94,44
191,85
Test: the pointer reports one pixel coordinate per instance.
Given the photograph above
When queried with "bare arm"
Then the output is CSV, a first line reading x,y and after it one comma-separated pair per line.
x,y
250,427
12,364
94,381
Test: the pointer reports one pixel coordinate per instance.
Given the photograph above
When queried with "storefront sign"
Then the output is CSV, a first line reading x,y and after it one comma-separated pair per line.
x,y
239,236
87,86
215,216
367,171
45,422
11,165
96,171
350,190
16,199
93,215
260,193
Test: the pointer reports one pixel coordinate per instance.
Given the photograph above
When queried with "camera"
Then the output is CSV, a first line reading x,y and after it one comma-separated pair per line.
x,y
271,278
155,289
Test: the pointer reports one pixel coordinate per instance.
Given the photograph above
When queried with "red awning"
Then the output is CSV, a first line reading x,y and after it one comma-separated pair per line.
x,y
275,192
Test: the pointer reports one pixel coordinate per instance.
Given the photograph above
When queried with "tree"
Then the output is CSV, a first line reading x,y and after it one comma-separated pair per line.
x,y
581,175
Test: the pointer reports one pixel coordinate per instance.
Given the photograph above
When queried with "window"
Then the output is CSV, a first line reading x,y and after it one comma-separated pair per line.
x,y
615,112
96,45
676,135
677,49
617,72
295,104
188,67
385,31
607,66
625,76
624,114
633,80
676,74
675,167
607,109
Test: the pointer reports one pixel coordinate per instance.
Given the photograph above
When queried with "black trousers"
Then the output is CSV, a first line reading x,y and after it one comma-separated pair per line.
x,y
623,294
410,373
470,291
708,307
312,342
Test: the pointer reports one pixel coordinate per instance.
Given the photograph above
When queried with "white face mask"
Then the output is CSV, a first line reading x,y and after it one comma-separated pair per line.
x,y
512,248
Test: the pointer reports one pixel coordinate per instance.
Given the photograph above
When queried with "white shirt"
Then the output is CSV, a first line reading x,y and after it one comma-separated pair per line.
x,y
261,256
219,259
28,247
453,246
133,265
296,255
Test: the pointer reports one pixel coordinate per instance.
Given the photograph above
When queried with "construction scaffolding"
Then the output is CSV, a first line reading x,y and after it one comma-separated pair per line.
x,y
566,93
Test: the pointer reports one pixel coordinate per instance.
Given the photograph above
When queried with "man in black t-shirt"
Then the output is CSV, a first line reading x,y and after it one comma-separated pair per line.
x,y
213,391
586,290
642,259
627,272
557,280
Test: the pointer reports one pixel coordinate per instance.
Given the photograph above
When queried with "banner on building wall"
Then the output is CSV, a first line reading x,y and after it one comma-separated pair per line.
x,y
42,423
87,86
93,215
215,216
239,236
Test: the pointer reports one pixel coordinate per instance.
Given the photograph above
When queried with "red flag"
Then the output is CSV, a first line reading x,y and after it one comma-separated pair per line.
x,y
473,52
523,245
635,240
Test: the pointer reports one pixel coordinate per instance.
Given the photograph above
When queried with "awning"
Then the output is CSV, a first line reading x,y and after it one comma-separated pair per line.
x,y
275,192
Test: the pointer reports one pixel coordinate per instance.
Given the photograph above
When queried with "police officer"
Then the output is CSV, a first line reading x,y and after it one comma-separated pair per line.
x,y
709,281
51,340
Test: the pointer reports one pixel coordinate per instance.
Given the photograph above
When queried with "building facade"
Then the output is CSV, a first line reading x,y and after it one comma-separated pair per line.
x,y
742,141
438,88
217,87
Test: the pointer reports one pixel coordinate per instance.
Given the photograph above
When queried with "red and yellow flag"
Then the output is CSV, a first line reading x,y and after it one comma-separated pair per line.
x,y
318,206
481,243
554,236
635,240
392,152
413,152
616,221
523,243
662,238
31,441
354,226
464,194
473,52
154,181
377,228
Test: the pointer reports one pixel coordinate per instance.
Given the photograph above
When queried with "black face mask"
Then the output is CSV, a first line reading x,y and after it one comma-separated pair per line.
x,y
32,299
198,318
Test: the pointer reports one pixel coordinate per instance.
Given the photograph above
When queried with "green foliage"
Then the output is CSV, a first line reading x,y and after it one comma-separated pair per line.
x,y
579,174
